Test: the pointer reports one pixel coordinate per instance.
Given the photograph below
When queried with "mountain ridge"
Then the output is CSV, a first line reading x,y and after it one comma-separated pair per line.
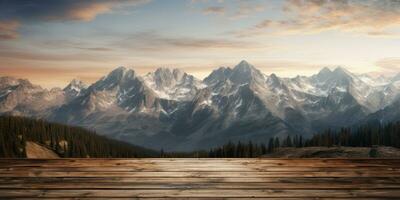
x,y
171,109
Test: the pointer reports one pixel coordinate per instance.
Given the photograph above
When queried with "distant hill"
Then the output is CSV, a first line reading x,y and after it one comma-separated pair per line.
x,y
23,137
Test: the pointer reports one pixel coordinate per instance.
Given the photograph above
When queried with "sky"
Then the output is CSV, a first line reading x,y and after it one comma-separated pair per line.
x,y
51,42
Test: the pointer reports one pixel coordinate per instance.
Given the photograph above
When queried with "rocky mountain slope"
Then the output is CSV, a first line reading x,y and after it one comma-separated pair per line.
x,y
173,110
35,150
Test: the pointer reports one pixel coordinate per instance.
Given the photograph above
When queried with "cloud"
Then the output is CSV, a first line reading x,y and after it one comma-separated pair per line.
x,y
155,42
214,10
246,9
56,44
29,55
25,10
389,65
95,48
234,9
373,17
83,12
8,29
14,13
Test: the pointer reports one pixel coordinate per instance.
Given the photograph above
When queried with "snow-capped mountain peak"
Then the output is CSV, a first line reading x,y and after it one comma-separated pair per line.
x,y
244,67
75,85
245,73
74,89
342,72
325,70
120,77
231,103
9,81
323,74
273,78
173,84
217,75
121,73
165,77
178,73
21,97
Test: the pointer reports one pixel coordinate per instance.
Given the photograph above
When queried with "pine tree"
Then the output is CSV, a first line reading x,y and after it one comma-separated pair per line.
x,y
276,143
271,145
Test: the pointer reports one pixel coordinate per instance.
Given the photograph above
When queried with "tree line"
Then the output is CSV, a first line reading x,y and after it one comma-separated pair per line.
x,y
69,141
364,136
66,141
368,135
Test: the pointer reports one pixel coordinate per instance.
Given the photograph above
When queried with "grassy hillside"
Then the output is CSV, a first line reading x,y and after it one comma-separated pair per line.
x,y
65,141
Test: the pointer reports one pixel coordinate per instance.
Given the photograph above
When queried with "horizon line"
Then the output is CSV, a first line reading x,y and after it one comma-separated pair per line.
x,y
154,69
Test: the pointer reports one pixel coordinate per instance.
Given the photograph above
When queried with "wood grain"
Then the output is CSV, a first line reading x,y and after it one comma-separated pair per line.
x,y
200,178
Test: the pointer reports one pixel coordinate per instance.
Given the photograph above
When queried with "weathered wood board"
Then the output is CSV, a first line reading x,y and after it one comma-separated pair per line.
x,y
200,178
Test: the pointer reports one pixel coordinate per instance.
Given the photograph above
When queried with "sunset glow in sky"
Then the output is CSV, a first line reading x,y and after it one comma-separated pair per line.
x,y
51,42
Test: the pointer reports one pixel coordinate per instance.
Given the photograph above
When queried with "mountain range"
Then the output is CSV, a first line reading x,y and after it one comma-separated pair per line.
x,y
172,110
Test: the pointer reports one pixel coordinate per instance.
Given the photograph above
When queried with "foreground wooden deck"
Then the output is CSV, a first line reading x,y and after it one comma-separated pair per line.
x,y
200,178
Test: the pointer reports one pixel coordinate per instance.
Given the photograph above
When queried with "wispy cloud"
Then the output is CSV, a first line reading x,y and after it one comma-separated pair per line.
x,y
246,9
214,10
155,42
15,13
29,55
374,17
234,9
95,48
8,29
67,44
28,10
389,65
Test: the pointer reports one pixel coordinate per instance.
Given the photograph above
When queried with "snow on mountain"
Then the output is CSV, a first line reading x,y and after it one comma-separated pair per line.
x,y
374,81
339,80
122,90
245,73
219,75
389,97
173,84
394,78
329,83
171,109
20,97
74,88
227,83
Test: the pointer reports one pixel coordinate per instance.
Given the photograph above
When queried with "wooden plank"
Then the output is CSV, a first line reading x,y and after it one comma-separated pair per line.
x,y
213,165
219,193
199,160
200,174
194,168
200,178
196,185
244,180
256,166
205,198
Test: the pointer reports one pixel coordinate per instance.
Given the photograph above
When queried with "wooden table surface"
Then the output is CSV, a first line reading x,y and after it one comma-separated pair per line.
x,y
200,178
